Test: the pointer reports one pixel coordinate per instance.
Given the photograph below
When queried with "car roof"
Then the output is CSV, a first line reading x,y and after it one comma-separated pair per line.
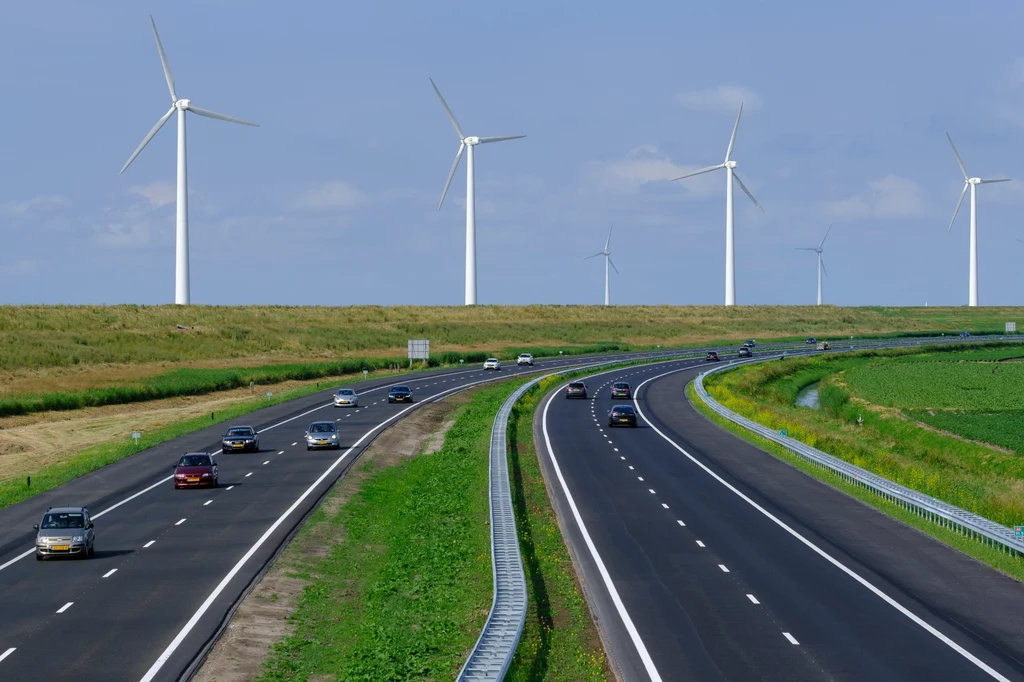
x,y
65,510
522,354
239,426
489,359
197,453
621,383
323,421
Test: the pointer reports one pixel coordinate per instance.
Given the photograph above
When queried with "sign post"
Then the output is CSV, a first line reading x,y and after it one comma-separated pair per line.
x,y
419,349
1011,327
136,436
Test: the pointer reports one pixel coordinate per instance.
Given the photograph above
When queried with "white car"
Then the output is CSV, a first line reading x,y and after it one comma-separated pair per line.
x,y
492,363
346,397
525,359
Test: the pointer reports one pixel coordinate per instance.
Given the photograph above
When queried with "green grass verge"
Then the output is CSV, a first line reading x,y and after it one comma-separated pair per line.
x,y
560,641
92,458
999,560
406,594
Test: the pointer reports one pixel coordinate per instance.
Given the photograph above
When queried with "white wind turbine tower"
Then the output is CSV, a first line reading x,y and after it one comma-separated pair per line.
x,y
821,264
181,274
973,184
467,144
730,168
606,252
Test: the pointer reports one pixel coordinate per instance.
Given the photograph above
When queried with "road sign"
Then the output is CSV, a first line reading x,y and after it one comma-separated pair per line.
x,y
783,432
136,436
365,372
270,394
1011,327
1018,531
419,349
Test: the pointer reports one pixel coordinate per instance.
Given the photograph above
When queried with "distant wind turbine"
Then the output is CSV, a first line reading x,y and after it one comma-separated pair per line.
x,y
730,253
467,143
181,273
606,252
973,184
821,264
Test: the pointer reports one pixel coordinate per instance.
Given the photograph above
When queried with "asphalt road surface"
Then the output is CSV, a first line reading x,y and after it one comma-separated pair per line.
x,y
708,559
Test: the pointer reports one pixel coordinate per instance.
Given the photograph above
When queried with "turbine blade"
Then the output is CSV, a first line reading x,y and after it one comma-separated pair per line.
x,y
732,138
163,61
220,117
823,267
147,138
608,241
958,161
1021,241
451,116
699,172
825,237
746,191
805,248
485,140
599,253
451,174
957,209
613,265
985,182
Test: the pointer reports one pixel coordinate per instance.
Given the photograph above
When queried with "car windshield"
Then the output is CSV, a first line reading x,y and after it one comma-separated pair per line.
x,y
346,391
240,432
63,520
194,461
400,388
621,385
525,355
575,385
322,427
622,409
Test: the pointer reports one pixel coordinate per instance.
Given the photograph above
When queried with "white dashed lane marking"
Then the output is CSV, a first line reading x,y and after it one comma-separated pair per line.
x,y
65,607
699,543
680,522
248,474
180,522
651,491
148,544
207,502
294,444
266,463
791,638
282,452
753,599
724,569
110,573
639,478
664,505
230,487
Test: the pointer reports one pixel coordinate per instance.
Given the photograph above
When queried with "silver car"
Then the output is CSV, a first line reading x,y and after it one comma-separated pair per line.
x,y
492,363
322,435
525,359
346,397
65,531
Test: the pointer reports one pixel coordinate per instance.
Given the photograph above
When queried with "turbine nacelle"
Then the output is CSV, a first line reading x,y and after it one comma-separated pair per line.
x,y
472,140
183,104
730,164
974,181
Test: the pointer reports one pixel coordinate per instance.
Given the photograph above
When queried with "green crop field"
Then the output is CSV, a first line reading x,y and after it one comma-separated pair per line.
x,y
951,383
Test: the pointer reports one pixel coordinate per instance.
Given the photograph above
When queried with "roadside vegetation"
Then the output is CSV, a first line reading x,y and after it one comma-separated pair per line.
x,y
943,422
65,357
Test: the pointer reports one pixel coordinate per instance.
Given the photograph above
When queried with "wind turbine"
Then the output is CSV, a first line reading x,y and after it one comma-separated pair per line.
x,y
730,168
973,184
606,252
467,144
821,264
181,274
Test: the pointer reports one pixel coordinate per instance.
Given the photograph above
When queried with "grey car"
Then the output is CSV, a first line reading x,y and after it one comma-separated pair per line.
x,y
240,439
346,397
322,435
65,531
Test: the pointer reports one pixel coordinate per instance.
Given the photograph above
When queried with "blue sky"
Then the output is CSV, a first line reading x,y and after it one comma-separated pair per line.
x,y
333,200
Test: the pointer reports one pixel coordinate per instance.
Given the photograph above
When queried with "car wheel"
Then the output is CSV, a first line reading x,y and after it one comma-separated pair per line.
x,y
308,448
39,557
84,555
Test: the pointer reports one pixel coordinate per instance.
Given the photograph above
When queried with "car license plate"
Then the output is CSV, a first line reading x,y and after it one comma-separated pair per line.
x,y
624,420
344,402
236,445
59,548
193,479
321,442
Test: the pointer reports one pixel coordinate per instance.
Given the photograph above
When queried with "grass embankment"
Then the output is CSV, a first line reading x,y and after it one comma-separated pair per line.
x,y
51,349
980,477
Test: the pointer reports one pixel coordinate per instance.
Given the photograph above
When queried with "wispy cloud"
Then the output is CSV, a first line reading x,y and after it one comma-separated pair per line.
x,y
42,202
642,167
724,99
888,197
332,195
157,193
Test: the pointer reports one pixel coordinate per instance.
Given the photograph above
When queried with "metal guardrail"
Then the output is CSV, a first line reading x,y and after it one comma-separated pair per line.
x,y
941,513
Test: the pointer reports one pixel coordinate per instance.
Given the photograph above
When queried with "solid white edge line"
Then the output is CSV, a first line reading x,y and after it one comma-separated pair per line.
x,y
110,573
791,638
634,635
204,607
8,653
65,607
817,550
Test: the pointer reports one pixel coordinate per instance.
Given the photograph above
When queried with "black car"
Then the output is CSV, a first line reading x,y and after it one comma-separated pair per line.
x,y
622,415
400,394
240,439
576,389
745,352
965,335
749,343
811,339
712,356
620,389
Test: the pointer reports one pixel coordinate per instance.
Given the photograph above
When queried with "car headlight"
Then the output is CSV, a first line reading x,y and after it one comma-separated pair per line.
x,y
180,476
206,476
42,541
78,538
334,436
248,440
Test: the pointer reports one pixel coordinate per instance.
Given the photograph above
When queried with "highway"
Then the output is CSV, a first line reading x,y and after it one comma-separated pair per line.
x,y
170,565
707,559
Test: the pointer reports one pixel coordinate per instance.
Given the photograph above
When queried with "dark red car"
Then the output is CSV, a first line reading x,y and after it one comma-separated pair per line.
x,y
195,470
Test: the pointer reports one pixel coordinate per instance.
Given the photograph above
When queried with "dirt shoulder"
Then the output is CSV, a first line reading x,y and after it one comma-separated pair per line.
x,y
262,619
